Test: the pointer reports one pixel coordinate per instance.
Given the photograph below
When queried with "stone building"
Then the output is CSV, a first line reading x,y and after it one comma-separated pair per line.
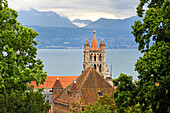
x,y
84,89
51,83
95,56
87,88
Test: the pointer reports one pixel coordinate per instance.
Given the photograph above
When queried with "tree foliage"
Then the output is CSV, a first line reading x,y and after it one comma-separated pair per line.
x,y
105,104
18,63
124,95
29,102
75,107
154,66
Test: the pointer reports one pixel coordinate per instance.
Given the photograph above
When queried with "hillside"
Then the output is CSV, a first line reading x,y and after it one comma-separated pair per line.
x,y
59,32
114,24
34,17
57,37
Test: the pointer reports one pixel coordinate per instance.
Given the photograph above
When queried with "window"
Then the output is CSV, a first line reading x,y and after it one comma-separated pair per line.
x,y
47,101
47,95
82,108
100,93
90,57
100,57
84,57
73,95
95,58
100,68
94,66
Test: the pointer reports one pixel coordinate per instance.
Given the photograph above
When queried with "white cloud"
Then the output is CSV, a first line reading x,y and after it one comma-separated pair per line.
x,y
83,9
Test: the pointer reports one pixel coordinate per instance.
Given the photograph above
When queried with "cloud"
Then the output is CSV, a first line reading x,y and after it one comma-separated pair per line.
x,y
83,9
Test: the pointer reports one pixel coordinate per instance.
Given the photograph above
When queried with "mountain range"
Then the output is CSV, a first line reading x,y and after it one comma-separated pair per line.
x,y
56,31
35,17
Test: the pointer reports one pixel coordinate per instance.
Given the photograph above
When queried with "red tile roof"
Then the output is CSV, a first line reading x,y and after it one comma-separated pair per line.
x,y
57,84
50,80
74,88
94,45
89,83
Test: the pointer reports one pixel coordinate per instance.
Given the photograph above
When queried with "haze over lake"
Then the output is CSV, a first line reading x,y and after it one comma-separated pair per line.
x,y
69,62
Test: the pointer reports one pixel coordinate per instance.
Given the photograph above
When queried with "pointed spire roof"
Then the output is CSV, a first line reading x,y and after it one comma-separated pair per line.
x,y
94,45
74,87
57,83
87,42
111,73
103,42
88,84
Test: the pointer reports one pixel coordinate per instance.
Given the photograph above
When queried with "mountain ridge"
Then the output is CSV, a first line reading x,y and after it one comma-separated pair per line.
x,y
50,18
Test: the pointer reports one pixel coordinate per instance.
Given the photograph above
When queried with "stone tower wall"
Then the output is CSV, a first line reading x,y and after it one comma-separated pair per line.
x,y
96,59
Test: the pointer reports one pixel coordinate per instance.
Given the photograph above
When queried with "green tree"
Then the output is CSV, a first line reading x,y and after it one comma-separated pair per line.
x,y
105,104
75,107
124,95
97,108
154,66
29,102
107,100
18,63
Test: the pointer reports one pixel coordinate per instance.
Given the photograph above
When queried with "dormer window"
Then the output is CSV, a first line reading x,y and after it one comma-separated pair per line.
x,y
68,91
100,93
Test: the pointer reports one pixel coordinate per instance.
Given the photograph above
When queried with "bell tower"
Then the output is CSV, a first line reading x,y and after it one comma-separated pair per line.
x,y
95,56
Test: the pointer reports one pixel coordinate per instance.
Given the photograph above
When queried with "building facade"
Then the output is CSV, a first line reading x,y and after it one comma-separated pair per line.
x,y
95,56
52,84
87,88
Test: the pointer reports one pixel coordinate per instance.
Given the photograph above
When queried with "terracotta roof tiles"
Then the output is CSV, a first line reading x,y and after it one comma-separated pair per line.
x,y
50,80
94,45
74,88
57,84
89,83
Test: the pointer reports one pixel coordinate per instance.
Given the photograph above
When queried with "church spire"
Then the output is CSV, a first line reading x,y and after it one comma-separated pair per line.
x,y
94,32
111,73
94,45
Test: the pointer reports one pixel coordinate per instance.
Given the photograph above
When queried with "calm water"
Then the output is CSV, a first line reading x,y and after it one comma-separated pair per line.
x,y
69,62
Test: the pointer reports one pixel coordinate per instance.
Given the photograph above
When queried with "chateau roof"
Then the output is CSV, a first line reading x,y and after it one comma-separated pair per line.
x,y
94,44
57,84
50,80
89,83
74,88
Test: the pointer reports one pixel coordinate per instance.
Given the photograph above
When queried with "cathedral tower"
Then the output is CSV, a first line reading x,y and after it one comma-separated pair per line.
x,y
95,56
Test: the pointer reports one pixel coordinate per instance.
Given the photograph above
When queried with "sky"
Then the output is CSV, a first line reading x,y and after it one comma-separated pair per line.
x,y
81,9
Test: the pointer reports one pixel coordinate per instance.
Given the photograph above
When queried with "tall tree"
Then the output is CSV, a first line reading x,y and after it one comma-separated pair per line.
x,y
105,104
18,63
124,95
154,66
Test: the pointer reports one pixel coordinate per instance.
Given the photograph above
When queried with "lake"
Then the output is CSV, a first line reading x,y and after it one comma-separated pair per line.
x,y
69,62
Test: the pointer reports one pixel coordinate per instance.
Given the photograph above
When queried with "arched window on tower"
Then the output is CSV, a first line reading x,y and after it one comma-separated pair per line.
x,y
100,68
90,57
95,66
95,58
100,57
